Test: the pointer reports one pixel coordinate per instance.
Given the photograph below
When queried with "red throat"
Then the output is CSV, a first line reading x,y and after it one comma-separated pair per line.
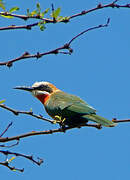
x,y
43,98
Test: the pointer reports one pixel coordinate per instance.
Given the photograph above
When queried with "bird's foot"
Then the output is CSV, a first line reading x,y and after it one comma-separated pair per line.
x,y
59,120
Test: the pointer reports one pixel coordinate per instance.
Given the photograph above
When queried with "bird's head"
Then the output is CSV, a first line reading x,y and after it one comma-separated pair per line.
x,y
40,90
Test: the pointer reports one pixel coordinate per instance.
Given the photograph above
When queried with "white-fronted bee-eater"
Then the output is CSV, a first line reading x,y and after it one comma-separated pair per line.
x,y
67,109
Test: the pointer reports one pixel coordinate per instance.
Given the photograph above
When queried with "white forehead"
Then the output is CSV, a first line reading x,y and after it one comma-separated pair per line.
x,y
36,84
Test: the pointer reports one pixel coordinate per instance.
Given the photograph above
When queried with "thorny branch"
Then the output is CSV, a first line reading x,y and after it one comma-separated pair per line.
x,y
66,46
54,20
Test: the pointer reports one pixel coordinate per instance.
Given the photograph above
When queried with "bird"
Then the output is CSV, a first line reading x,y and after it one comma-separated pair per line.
x,y
65,109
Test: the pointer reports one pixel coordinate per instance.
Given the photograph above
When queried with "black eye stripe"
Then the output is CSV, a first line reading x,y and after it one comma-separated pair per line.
x,y
44,88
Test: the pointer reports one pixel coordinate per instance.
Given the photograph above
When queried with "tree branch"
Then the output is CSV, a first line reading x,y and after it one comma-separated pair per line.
x,y
90,29
34,133
9,146
28,27
38,162
66,46
30,113
7,162
65,19
59,130
25,17
120,121
100,6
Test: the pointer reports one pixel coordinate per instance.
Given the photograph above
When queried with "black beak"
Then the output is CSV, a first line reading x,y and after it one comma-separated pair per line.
x,y
30,89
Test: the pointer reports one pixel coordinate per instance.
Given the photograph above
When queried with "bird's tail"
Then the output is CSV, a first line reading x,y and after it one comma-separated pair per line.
x,y
100,120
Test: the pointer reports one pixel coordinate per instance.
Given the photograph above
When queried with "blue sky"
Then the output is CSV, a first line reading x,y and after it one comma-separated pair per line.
x,y
97,71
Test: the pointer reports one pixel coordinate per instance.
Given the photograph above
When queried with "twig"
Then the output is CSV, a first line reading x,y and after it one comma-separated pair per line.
x,y
6,164
12,27
66,46
10,124
9,146
38,162
90,29
120,121
16,112
100,6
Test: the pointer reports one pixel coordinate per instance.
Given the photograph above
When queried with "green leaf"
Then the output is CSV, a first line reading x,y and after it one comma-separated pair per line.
x,y
2,5
45,12
33,13
42,26
56,13
38,8
2,101
14,9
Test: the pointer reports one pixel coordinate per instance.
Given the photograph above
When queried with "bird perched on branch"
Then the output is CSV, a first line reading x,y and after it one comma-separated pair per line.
x,y
64,108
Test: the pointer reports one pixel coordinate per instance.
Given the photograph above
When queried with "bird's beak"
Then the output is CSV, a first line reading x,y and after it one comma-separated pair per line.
x,y
30,89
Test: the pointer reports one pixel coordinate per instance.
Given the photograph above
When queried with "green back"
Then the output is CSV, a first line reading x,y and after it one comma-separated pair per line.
x,y
61,102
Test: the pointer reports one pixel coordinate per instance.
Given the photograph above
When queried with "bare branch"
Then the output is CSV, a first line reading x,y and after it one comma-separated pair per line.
x,y
9,146
28,27
90,29
66,46
100,6
38,162
6,164
62,129
120,121
30,113
34,133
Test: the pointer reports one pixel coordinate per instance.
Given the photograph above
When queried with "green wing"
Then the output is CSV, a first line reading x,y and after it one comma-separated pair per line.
x,y
71,103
